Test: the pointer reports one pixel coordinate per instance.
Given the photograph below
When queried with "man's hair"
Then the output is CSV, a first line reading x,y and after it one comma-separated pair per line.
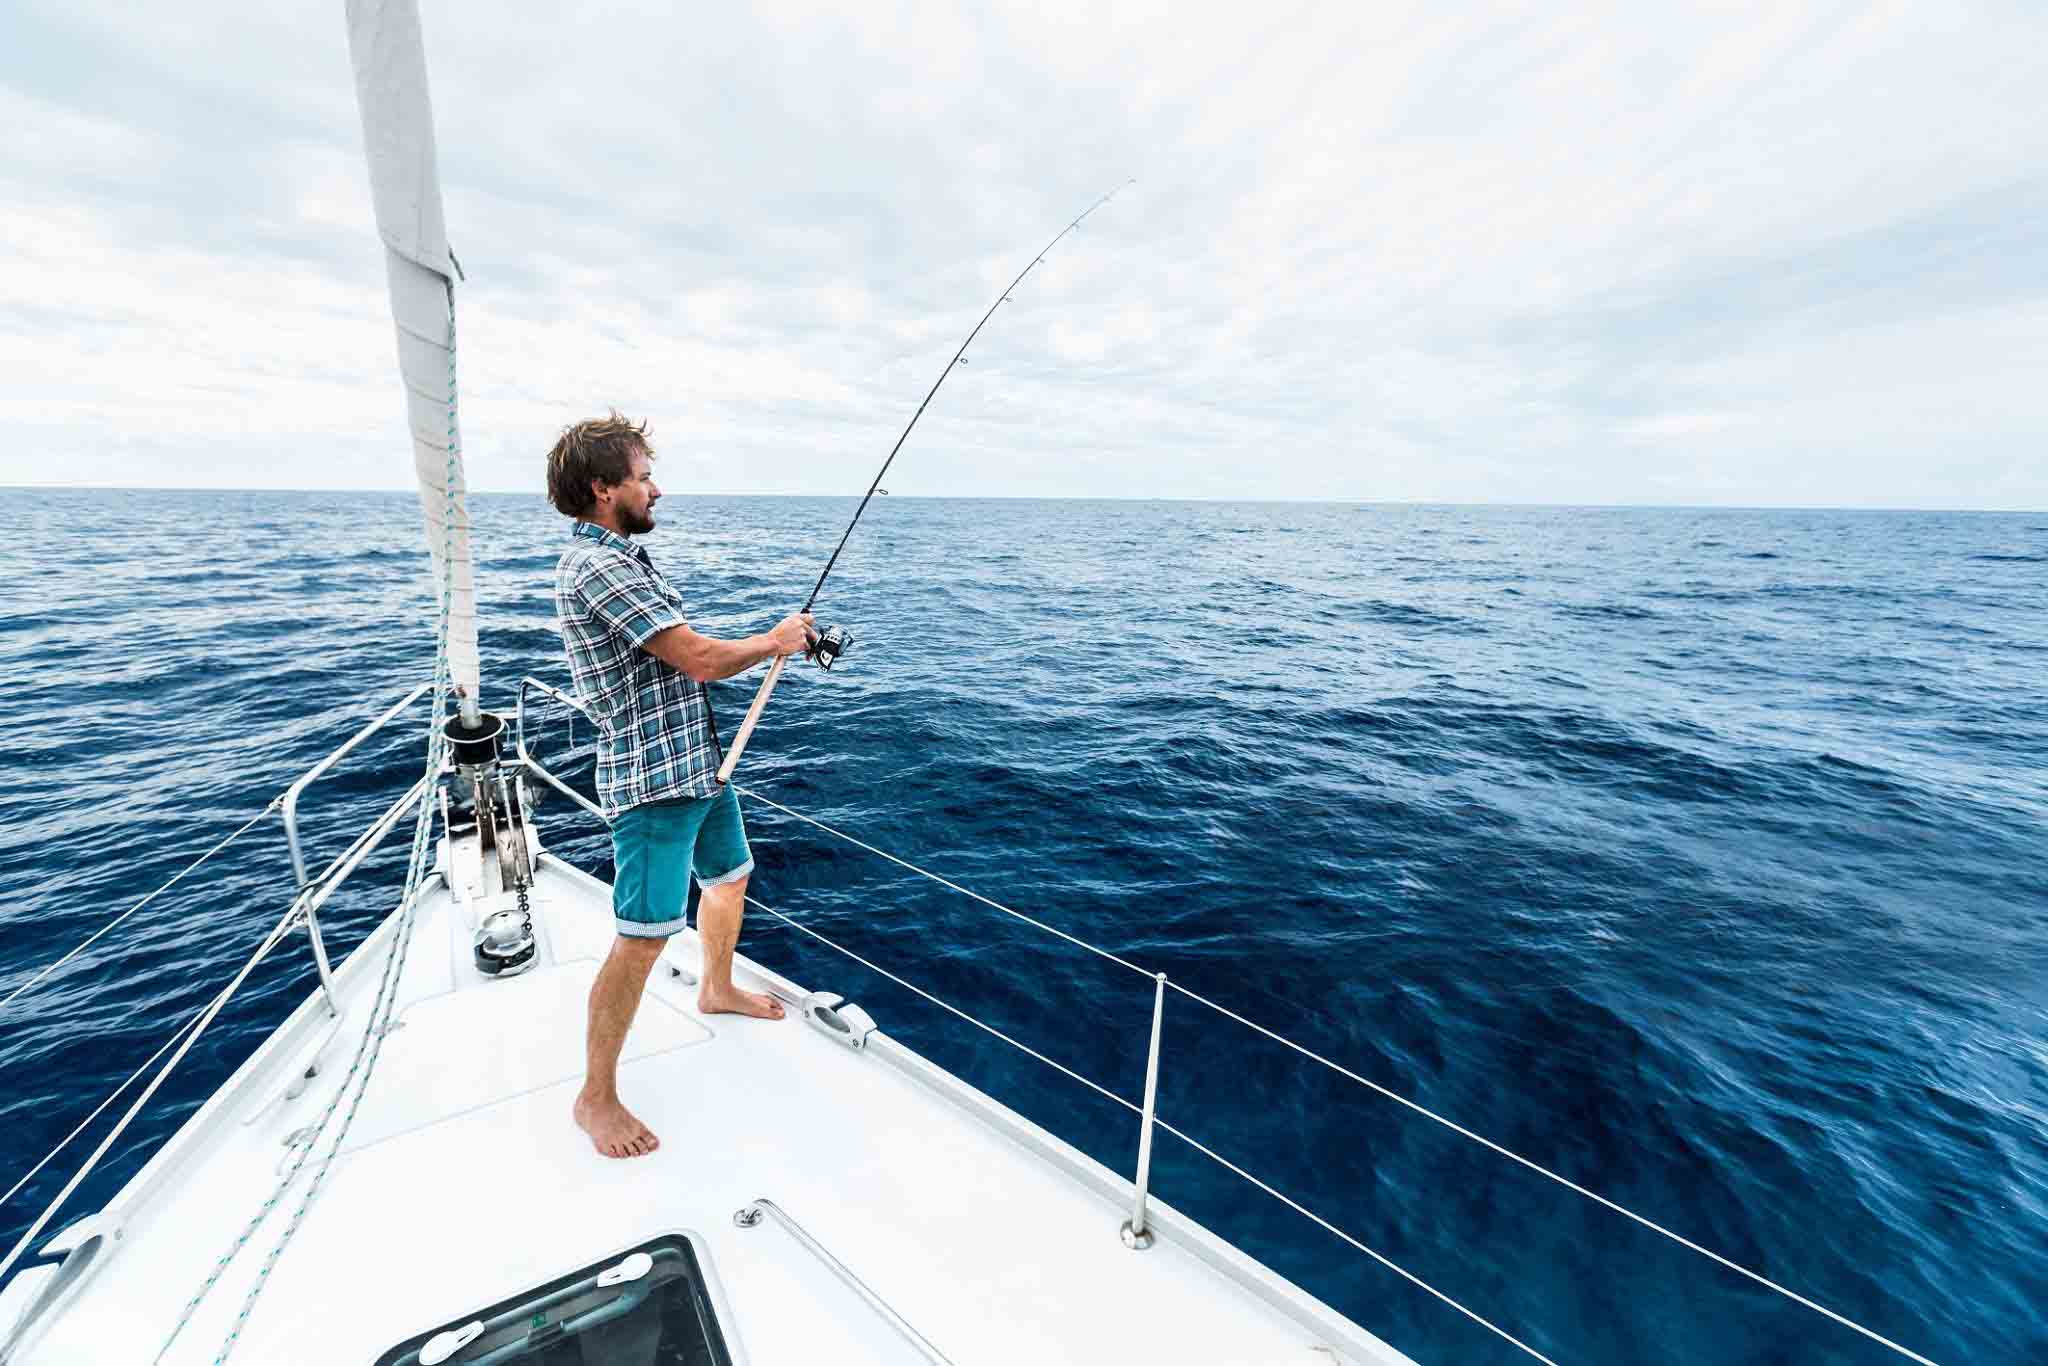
x,y
601,449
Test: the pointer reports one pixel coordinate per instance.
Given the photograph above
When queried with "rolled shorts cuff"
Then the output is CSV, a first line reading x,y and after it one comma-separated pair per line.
x,y
640,929
723,878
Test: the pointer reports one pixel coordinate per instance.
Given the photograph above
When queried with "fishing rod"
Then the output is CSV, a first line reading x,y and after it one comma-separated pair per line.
x,y
832,642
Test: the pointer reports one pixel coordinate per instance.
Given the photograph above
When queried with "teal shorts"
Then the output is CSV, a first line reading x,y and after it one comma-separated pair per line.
x,y
657,846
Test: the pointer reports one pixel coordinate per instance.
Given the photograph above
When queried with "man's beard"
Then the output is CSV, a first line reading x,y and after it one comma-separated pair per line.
x,y
636,523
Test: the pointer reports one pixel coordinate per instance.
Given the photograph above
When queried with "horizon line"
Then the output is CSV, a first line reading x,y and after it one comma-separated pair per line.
x,y
1082,498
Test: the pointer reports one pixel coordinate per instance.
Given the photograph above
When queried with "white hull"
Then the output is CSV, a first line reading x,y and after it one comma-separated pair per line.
x,y
463,1181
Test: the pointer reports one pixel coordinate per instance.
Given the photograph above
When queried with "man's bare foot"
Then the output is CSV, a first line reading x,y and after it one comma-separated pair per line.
x,y
613,1129
733,1001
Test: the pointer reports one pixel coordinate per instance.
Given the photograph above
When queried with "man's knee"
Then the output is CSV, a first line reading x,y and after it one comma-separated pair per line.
x,y
729,893
638,950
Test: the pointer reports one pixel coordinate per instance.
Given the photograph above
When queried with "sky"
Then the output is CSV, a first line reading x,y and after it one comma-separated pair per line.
x,y
1760,255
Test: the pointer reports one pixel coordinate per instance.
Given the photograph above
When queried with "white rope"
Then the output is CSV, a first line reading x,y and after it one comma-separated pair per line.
x,y
1313,1217
1369,1084
913,987
117,921
994,905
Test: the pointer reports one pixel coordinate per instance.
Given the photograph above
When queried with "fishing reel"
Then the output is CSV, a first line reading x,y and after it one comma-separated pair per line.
x,y
830,644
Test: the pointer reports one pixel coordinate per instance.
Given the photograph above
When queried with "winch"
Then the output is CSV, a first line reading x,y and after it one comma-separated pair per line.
x,y
504,943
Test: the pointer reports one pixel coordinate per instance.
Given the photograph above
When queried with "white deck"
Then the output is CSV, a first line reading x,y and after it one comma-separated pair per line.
x,y
463,1181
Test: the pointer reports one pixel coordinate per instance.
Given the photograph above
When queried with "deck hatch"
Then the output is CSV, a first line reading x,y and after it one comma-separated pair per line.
x,y
646,1306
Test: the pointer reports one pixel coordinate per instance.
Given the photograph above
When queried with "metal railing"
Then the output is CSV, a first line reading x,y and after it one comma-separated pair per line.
x,y
308,905
532,764
312,893
1136,1235
1135,1231
751,1215
358,852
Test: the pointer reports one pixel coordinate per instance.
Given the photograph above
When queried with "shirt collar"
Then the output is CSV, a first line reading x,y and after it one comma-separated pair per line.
x,y
606,536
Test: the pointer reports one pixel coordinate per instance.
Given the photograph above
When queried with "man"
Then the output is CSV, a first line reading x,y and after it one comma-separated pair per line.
x,y
641,671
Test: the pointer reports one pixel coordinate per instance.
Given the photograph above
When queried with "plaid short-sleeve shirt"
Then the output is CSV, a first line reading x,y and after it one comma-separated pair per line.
x,y
657,739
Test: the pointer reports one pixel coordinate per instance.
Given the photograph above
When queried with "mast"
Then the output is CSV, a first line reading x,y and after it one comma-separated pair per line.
x,y
390,61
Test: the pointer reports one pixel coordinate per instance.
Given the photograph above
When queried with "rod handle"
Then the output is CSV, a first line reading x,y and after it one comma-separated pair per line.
x,y
739,741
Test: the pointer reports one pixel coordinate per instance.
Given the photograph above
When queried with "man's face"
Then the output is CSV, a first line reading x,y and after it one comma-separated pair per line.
x,y
634,500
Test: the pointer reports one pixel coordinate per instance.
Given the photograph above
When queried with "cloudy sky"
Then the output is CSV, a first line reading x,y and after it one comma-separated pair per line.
x,y
1748,254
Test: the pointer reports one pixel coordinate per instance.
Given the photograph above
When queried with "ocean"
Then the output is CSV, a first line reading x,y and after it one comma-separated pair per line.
x,y
1698,855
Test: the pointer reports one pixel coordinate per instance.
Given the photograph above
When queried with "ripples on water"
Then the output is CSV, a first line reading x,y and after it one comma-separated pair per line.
x,y
1695,854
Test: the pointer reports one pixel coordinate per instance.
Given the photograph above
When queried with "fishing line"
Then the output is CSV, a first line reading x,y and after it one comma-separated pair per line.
x,y
832,642
1001,299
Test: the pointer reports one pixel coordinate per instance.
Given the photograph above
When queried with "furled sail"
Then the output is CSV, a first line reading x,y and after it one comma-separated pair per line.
x,y
398,135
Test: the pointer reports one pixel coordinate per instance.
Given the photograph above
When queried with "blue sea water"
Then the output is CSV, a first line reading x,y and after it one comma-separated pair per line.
x,y
1701,856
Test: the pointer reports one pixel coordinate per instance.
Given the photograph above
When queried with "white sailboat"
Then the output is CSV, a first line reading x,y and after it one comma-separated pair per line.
x,y
392,1178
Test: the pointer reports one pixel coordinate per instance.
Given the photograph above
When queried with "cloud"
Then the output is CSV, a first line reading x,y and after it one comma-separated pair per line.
x,y
1441,252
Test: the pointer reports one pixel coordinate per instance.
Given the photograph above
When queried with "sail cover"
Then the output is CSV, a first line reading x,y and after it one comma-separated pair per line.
x,y
398,135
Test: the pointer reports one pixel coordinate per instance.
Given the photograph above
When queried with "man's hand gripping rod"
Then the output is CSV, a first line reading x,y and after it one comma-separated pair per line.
x,y
746,730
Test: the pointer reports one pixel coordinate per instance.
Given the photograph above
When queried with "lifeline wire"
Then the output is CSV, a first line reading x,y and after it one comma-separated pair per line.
x,y
206,1017
196,1026
1222,1161
1564,1181
1305,1212
101,1108
1343,1071
115,923
996,905
248,1230
909,986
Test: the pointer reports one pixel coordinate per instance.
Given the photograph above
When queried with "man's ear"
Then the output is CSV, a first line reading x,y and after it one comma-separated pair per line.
x,y
597,490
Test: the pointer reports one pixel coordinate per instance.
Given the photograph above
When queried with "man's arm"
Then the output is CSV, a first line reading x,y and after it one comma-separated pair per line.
x,y
707,659
622,600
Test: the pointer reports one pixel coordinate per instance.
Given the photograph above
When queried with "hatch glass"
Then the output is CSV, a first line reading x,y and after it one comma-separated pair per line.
x,y
647,1306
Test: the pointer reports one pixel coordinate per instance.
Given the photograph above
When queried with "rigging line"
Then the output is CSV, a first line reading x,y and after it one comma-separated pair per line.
x,y
1541,1170
1343,1071
369,833
996,905
911,986
1001,299
416,873
283,1183
1311,1215
115,923
288,923
1191,1142
368,1049
206,1017
112,1095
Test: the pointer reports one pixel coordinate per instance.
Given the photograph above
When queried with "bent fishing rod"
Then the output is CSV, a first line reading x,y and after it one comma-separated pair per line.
x,y
833,642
